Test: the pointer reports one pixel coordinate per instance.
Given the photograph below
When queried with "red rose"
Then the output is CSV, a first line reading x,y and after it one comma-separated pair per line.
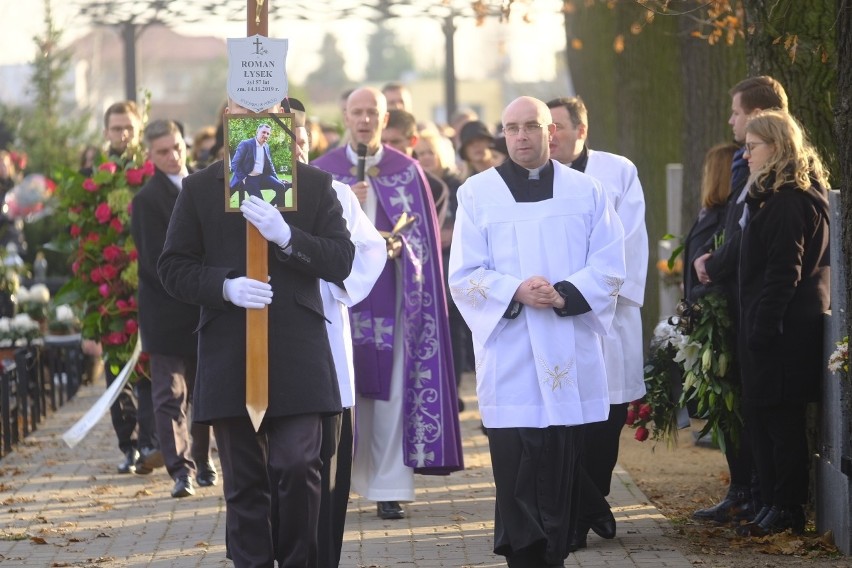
x,y
135,176
75,266
93,237
103,290
130,326
51,185
645,411
116,225
112,253
96,275
19,159
133,254
115,338
631,416
103,213
109,272
108,167
641,433
75,231
132,301
148,168
90,185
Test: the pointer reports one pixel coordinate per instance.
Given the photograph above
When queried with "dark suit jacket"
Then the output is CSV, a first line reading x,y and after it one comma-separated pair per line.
x,y
166,325
243,161
205,245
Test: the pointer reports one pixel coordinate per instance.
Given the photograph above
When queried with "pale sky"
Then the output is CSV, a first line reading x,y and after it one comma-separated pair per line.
x,y
478,49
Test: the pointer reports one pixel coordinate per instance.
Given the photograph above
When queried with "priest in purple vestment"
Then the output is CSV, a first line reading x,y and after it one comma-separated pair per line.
x,y
406,414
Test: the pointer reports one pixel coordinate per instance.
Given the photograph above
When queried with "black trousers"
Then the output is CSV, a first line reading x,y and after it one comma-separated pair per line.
x,y
289,448
600,454
146,429
123,414
780,446
184,444
534,475
253,185
336,476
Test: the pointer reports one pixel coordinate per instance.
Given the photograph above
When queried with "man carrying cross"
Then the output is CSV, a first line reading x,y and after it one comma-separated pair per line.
x,y
204,263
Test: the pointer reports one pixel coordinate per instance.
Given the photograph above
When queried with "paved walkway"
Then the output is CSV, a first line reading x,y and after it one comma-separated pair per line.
x,y
64,507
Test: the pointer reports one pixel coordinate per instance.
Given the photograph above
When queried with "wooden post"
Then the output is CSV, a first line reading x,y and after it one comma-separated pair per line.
x,y
257,267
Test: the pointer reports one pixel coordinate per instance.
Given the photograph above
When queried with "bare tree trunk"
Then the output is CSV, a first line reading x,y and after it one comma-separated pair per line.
x,y
843,119
589,33
708,71
634,98
794,42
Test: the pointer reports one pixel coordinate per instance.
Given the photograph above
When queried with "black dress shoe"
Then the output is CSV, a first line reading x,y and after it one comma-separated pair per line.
x,y
389,510
149,460
775,520
183,487
603,524
128,464
207,475
736,506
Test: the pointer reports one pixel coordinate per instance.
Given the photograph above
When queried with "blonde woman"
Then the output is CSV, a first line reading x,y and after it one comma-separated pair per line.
x,y
784,291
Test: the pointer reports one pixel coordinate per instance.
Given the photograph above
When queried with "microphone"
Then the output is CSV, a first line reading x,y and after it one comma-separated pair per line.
x,y
362,161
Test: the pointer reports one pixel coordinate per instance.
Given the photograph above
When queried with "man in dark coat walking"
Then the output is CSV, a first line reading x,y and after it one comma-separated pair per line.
x,y
167,325
204,263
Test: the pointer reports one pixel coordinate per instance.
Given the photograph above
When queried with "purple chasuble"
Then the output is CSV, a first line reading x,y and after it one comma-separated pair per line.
x,y
432,438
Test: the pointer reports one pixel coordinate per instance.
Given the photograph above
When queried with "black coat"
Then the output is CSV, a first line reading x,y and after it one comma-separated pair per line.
x,y
722,266
784,281
166,325
694,246
205,245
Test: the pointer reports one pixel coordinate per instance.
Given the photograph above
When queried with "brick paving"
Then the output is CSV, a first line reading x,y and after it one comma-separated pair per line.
x,y
65,507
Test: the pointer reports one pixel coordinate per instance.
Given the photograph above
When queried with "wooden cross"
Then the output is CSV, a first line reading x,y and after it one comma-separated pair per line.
x,y
257,267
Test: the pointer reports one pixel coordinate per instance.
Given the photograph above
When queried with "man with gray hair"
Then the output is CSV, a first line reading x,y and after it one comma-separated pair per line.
x,y
167,325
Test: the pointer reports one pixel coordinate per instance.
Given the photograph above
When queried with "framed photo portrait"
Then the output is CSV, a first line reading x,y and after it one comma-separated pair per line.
x,y
261,160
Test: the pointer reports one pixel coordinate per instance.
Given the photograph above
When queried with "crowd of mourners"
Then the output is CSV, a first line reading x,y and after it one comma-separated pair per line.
x,y
420,252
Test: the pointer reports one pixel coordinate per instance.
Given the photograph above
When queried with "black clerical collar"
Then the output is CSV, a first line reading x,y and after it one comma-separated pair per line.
x,y
523,189
582,160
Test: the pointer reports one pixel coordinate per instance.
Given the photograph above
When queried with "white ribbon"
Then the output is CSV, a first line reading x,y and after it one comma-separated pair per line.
x,y
81,428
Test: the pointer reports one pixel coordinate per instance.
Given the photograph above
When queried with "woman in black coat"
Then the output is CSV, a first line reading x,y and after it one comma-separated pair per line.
x,y
784,291
715,188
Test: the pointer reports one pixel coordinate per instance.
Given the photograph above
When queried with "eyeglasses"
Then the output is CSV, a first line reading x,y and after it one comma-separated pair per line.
x,y
528,128
750,146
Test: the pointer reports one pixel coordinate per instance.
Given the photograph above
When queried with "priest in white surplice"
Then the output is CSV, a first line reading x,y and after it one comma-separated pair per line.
x,y
622,346
536,264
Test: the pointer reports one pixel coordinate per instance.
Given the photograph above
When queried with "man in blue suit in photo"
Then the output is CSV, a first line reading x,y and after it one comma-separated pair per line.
x,y
253,170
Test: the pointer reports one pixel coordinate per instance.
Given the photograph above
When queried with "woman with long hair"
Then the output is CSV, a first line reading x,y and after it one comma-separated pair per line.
x,y
715,188
784,291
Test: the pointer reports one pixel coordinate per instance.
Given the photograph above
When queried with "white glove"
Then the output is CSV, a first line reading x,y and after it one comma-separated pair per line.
x,y
247,293
267,219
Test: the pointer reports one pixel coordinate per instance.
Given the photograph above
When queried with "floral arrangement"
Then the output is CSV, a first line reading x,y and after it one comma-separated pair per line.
x,y
97,211
655,415
34,301
63,320
838,361
706,360
18,330
696,347
671,269
671,273
10,266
